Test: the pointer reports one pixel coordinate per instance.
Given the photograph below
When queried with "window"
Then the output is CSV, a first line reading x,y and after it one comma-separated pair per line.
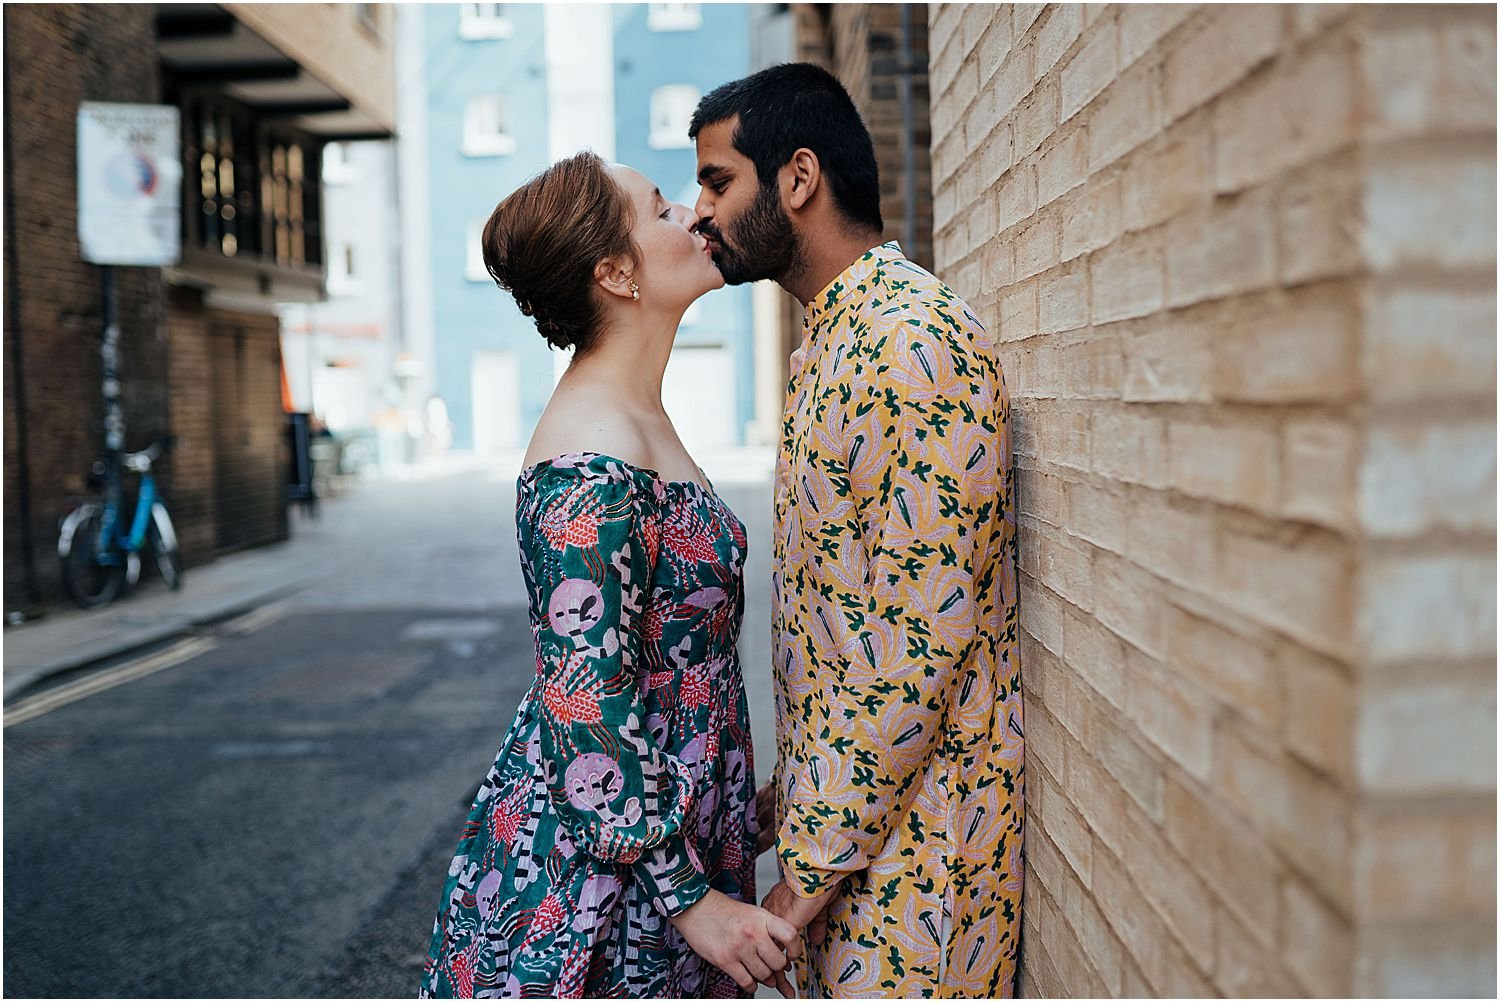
x,y
674,17
337,168
671,111
483,20
474,269
484,128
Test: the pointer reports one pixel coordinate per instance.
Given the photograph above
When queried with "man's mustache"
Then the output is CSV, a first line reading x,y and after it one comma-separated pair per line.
x,y
711,231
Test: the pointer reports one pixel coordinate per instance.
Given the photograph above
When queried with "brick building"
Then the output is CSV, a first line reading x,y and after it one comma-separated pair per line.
x,y
1241,263
259,89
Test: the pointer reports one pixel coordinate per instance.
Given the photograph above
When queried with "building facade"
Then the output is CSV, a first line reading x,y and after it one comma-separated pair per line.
x,y
503,90
258,90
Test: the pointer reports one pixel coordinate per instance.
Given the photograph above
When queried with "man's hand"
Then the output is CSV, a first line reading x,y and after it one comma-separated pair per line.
x,y
765,818
809,914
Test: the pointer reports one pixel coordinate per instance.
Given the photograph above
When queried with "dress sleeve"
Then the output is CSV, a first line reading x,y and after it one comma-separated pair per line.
x,y
898,613
620,798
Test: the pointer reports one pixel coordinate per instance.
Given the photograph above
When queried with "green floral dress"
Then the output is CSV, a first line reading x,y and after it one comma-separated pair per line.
x,y
623,790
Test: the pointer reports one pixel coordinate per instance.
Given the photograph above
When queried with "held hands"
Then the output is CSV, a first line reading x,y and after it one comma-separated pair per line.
x,y
810,914
745,942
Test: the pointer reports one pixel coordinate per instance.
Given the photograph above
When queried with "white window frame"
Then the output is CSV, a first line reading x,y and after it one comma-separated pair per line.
x,y
484,127
671,110
480,21
474,269
337,167
674,16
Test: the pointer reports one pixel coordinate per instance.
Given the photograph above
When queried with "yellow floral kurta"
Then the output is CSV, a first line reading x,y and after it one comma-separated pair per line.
x,y
894,639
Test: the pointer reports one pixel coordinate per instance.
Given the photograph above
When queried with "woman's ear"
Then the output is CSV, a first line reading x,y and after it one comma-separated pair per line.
x,y
614,275
801,175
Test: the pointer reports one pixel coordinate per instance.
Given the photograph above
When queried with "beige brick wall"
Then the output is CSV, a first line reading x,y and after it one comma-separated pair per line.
x,y
1241,262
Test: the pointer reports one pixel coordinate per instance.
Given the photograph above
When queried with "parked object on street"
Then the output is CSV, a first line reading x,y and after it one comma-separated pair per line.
x,y
99,554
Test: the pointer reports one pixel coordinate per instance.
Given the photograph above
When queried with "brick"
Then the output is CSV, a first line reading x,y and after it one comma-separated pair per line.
x,y
1129,602
1304,815
1012,81
1168,360
1231,42
1018,312
1064,439
1425,344
1091,219
1237,671
1099,799
1128,445
1318,223
1063,301
1126,757
1140,930
1240,867
1044,748
1062,167
1169,178
1428,960
1096,939
994,49
1128,114
1316,942
1231,464
1035,118
1431,864
1318,459
1169,883
1056,35
1044,860
1042,616
1243,965
1098,514
1426,737
1426,606
1143,25
1227,250
1429,210
996,157
999,265
1092,367
1037,245
1270,127
1420,79
1177,718
1018,200
1024,15
1037,370
1066,568
1096,654
1070,835
1320,708
1087,74
1127,279
1418,478
1301,587
1041,495
1173,540
1301,352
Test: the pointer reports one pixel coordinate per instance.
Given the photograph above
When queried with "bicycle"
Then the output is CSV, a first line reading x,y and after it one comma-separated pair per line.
x,y
98,554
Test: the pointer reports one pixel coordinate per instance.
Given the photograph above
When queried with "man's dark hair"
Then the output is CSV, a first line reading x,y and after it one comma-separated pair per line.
x,y
785,108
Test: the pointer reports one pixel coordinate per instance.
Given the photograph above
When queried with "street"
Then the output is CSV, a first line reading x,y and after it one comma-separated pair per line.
x,y
268,809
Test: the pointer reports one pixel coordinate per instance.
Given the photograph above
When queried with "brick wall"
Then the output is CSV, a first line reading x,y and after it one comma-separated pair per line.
x,y
1241,262
57,56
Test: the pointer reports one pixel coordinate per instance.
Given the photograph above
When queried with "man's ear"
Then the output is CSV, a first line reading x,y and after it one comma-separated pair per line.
x,y
801,177
614,275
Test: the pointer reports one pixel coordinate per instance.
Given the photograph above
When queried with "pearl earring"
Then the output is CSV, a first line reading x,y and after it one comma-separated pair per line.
x,y
635,292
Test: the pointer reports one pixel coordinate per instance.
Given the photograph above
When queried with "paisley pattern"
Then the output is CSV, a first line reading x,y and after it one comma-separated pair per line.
x,y
898,700
620,795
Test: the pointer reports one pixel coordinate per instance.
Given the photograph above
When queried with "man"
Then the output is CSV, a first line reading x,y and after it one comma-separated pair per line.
x,y
896,804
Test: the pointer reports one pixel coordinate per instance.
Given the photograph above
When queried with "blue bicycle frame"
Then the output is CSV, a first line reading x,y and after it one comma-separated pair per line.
x,y
110,521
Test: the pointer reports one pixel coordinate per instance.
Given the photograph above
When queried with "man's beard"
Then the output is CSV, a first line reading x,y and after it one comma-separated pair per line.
x,y
762,245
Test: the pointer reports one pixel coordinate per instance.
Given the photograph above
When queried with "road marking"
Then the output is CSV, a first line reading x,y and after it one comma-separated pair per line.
x,y
92,685
257,618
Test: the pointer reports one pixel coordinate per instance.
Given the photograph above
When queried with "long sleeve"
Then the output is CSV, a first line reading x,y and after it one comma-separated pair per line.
x,y
891,598
620,798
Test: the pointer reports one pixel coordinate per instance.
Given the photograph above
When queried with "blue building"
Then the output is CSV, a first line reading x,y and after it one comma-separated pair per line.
x,y
489,95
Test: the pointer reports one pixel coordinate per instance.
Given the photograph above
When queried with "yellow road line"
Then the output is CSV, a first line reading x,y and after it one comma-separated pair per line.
x,y
92,685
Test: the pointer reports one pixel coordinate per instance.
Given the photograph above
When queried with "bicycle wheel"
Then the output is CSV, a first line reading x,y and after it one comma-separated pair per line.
x,y
87,582
164,546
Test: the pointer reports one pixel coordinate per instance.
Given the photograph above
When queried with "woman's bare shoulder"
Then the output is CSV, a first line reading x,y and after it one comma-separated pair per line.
x,y
571,427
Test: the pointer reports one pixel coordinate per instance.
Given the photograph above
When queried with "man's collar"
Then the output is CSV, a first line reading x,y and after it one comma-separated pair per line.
x,y
848,282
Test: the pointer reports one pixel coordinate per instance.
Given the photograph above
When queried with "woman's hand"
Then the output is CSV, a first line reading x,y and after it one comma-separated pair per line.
x,y
745,942
765,818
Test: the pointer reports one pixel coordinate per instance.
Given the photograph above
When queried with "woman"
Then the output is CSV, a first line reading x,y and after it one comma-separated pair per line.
x,y
610,851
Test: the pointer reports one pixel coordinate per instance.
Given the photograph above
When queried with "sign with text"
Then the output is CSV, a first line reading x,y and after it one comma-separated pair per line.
x,y
129,183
